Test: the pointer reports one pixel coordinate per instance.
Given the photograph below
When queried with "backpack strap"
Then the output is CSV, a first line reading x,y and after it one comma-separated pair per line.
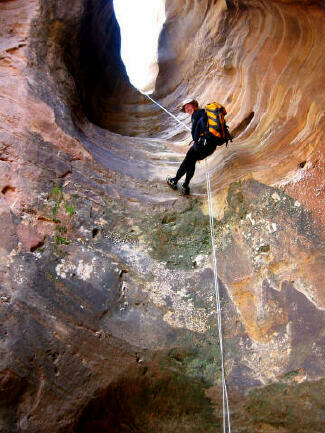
x,y
201,127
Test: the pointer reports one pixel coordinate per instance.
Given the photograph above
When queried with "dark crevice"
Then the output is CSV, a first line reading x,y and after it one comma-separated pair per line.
x,y
47,220
8,189
67,173
37,246
122,272
242,125
102,79
107,98
263,249
137,404
94,232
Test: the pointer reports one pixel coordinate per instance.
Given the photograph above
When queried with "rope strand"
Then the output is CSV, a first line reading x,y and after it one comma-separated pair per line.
x,y
170,114
225,401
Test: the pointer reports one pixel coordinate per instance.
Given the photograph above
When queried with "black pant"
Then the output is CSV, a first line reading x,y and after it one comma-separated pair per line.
x,y
197,152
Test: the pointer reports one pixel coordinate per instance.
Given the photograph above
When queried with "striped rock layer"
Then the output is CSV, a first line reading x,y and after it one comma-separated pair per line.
x,y
107,303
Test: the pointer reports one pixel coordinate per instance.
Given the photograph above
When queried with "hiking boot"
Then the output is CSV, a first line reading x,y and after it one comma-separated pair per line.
x,y
171,182
185,190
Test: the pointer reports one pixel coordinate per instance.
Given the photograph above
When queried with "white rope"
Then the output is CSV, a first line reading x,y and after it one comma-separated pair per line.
x,y
170,114
225,402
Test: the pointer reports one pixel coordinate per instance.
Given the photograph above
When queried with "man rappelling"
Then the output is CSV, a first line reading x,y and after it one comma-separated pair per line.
x,y
209,130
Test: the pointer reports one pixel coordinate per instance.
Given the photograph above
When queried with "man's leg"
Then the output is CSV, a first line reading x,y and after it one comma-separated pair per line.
x,y
195,153
189,173
200,153
190,162
187,166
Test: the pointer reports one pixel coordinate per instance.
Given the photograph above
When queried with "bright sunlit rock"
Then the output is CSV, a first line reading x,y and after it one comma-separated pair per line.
x,y
140,22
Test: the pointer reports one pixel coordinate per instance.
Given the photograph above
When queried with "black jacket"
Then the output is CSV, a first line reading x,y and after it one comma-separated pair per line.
x,y
199,124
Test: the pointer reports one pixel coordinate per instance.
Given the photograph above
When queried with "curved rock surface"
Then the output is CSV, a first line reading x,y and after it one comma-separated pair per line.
x,y
108,319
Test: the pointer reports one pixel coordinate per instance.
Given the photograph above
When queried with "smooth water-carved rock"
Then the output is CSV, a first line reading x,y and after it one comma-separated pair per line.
x,y
107,294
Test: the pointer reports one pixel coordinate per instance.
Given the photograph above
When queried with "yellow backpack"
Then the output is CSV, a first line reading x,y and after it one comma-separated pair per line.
x,y
216,121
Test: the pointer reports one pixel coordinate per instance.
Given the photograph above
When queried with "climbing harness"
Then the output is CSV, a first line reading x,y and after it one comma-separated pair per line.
x,y
225,401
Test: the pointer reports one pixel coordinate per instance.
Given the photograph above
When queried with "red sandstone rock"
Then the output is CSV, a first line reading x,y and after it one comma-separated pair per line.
x,y
106,322
29,237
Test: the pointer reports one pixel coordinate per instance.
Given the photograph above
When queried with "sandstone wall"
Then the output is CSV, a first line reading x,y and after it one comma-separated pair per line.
x,y
106,298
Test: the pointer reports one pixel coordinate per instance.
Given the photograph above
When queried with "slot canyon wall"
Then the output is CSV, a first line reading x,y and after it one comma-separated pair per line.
x,y
108,318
